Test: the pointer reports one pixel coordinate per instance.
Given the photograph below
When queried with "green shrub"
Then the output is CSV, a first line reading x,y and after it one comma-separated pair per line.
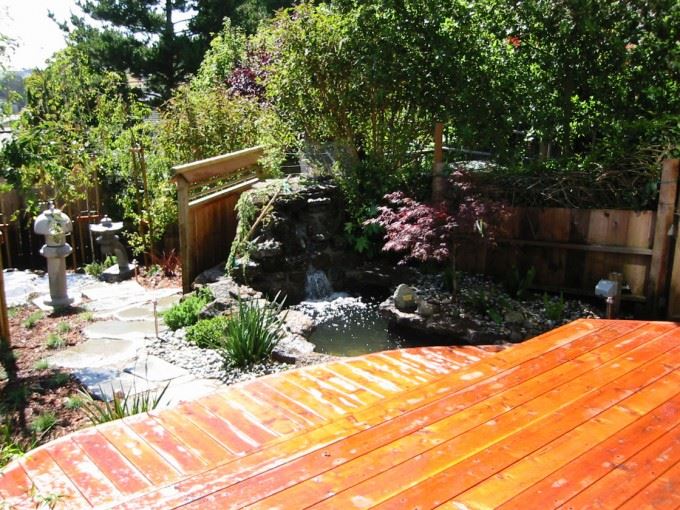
x,y
554,308
74,402
43,422
97,268
120,406
207,333
185,313
59,379
518,285
54,341
10,449
251,334
87,316
41,364
63,328
32,320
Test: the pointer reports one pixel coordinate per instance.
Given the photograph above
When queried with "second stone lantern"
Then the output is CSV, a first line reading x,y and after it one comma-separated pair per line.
x,y
106,231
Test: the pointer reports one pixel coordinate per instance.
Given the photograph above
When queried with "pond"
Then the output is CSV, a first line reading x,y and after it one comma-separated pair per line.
x,y
350,326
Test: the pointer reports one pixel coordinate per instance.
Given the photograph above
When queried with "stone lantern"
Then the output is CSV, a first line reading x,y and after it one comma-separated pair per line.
x,y
55,225
106,231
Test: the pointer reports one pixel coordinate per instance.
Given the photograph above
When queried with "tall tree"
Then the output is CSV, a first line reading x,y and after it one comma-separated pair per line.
x,y
139,37
143,38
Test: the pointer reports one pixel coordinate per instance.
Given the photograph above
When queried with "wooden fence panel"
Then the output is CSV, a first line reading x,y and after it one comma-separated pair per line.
x,y
569,248
207,221
21,248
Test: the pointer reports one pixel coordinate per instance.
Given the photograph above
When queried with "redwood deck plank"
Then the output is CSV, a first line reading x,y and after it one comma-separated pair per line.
x,y
50,482
556,342
149,462
632,476
405,402
127,479
569,418
92,483
662,493
510,391
445,470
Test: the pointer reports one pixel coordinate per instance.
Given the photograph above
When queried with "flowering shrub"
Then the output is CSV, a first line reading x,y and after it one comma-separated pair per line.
x,y
432,232
248,78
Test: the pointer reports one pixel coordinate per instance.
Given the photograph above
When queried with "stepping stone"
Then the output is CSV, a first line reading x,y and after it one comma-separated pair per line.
x,y
166,302
120,329
97,352
103,383
143,312
153,368
189,390
125,291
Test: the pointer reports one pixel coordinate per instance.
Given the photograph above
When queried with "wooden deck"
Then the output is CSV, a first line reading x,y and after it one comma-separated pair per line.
x,y
585,416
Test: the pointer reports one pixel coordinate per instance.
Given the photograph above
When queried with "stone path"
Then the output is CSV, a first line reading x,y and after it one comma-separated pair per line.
x,y
114,359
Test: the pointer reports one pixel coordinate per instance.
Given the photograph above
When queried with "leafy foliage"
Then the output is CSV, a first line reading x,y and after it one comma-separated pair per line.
x,y
185,313
57,135
122,405
428,232
32,320
251,334
97,268
43,422
554,308
518,284
207,333
54,341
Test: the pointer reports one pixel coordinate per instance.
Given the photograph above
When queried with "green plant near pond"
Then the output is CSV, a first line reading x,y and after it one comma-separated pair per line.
x,y
32,320
554,308
97,268
251,334
74,402
63,328
122,404
185,313
43,422
207,333
518,284
54,341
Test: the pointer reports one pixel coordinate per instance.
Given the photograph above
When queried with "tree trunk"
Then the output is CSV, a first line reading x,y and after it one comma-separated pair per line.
x,y
438,178
454,280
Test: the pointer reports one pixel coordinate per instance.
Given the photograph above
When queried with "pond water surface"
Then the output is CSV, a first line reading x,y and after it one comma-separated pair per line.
x,y
350,326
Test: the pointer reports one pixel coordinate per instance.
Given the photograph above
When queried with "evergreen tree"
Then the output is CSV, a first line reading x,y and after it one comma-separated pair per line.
x,y
139,37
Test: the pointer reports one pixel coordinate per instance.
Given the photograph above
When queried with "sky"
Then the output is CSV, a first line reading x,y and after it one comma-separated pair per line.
x,y
37,37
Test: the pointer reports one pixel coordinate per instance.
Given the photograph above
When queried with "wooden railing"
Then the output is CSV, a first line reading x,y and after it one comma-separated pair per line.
x,y
207,193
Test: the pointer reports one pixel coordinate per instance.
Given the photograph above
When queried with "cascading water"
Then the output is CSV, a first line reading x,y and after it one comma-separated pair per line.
x,y
346,325
317,285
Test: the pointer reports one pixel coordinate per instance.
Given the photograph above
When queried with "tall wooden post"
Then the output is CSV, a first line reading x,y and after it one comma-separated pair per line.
x,y
661,248
4,320
438,179
674,262
184,232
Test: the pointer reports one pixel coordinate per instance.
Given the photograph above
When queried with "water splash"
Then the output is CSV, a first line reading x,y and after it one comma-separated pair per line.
x,y
317,286
348,326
